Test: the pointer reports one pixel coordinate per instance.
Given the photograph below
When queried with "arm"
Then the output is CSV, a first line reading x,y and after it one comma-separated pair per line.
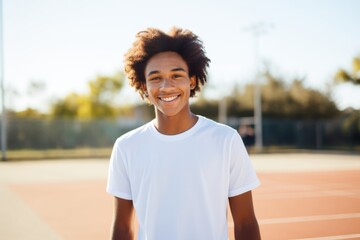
x,y
122,227
245,223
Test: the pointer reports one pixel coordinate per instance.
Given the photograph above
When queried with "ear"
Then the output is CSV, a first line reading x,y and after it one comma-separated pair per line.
x,y
144,89
192,82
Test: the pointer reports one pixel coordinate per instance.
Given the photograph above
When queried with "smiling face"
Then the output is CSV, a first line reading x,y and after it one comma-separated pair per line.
x,y
168,84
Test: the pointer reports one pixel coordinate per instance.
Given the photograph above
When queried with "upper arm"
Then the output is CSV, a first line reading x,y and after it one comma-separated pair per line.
x,y
242,208
245,223
123,225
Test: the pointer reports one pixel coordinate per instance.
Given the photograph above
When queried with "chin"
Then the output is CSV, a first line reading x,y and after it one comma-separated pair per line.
x,y
168,114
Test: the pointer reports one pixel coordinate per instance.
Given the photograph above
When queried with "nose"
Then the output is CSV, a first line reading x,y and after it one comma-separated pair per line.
x,y
166,83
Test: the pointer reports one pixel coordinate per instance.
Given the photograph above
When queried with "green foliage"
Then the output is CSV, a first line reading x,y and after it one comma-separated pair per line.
x,y
97,103
309,103
66,107
278,101
103,88
352,76
295,101
28,113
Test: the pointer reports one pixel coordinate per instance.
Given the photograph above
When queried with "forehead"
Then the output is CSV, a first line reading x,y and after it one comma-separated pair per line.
x,y
165,61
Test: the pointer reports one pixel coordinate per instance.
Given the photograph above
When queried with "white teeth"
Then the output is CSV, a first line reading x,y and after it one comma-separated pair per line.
x,y
168,99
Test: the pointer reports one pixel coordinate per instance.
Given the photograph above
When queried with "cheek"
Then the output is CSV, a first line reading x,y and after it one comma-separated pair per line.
x,y
149,88
151,93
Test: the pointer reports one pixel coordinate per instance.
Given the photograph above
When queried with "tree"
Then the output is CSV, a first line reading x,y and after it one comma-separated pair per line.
x,y
309,103
292,100
98,102
353,76
29,113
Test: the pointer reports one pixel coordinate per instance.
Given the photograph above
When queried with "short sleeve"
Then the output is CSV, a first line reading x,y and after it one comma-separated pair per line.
x,y
242,173
118,180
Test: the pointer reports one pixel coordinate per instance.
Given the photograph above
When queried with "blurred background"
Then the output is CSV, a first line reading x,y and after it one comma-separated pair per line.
x,y
285,74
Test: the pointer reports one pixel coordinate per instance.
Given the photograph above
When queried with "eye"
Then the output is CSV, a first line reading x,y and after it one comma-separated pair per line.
x,y
156,78
177,76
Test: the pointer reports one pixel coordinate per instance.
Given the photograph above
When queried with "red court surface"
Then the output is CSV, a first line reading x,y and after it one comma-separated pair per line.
x,y
296,205
304,205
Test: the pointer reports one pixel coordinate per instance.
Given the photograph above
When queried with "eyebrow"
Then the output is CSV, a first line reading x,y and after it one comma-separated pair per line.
x,y
178,69
172,70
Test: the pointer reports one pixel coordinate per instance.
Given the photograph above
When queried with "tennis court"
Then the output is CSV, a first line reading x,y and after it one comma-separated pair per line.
x,y
302,196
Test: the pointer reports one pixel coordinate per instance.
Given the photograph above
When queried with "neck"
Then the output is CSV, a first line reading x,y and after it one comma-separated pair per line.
x,y
171,125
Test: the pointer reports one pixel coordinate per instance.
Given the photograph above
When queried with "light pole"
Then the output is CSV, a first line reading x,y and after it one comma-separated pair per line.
x,y
257,30
257,96
3,110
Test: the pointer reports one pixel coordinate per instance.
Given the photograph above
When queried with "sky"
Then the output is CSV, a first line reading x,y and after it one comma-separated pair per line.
x,y
64,44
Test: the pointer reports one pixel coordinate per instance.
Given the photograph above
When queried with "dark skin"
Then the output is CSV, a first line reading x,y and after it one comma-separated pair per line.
x,y
167,76
168,85
245,223
123,224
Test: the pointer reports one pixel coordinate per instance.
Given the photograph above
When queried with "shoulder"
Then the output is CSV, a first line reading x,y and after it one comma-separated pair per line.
x,y
134,135
217,128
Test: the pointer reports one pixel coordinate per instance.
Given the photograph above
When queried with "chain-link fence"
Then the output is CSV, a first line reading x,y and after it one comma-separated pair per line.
x,y
63,133
40,134
300,134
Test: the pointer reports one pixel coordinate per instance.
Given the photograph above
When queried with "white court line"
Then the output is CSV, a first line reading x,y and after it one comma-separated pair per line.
x,y
312,194
308,218
349,236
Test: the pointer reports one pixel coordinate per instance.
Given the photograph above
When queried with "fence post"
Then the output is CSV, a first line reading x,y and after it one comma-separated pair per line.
x,y
318,135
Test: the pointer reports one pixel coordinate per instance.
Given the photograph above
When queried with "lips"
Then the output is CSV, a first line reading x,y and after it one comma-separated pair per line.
x,y
169,99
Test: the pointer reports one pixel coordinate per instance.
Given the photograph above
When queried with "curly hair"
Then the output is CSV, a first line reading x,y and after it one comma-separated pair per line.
x,y
153,41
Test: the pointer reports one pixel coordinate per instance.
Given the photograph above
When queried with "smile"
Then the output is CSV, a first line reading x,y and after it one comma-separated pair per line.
x,y
169,99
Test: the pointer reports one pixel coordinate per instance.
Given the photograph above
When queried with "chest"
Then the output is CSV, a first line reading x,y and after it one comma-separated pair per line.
x,y
175,163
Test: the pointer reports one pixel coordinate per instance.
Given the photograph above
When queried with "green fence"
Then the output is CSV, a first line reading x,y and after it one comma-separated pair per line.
x,y
63,133
327,134
40,134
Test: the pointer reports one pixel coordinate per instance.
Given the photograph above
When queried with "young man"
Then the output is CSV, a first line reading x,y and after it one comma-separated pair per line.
x,y
179,171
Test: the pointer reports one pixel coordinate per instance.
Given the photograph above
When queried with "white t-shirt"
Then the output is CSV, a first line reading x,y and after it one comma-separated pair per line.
x,y
180,184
